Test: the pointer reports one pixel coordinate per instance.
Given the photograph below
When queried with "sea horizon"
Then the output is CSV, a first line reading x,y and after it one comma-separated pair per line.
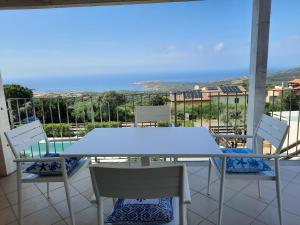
x,y
118,82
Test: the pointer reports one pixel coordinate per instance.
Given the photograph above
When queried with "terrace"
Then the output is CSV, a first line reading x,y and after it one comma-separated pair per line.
x,y
66,120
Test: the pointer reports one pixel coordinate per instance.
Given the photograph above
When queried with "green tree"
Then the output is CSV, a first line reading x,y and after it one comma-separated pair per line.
x,y
17,91
158,100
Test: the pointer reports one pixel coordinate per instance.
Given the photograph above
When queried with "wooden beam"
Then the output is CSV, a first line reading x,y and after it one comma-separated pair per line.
x,y
36,4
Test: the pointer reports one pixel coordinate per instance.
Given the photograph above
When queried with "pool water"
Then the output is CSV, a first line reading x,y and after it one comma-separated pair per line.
x,y
57,147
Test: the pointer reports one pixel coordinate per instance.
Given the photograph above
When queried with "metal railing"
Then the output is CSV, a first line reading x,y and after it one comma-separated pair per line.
x,y
66,119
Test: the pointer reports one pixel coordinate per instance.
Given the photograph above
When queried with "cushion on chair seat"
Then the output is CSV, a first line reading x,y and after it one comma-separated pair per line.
x,y
142,211
242,165
52,168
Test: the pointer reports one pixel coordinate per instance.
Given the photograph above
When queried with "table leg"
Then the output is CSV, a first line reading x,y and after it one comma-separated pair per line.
x,y
145,161
221,195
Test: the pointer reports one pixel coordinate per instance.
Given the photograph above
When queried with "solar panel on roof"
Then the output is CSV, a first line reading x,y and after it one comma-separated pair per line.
x,y
212,88
192,94
230,89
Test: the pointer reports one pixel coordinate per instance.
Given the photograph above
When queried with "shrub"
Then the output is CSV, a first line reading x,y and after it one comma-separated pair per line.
x,y
58,130
111,124
188,123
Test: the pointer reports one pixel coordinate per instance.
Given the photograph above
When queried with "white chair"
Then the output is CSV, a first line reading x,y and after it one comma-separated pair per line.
x,y
269,129
156,114
22,138
152,114
143,182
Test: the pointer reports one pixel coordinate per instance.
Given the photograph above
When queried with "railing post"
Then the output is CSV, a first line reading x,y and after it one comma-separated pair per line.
x,y
258,65
7,165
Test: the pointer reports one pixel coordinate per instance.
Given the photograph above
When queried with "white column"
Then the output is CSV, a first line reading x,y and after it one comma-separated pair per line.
x,y
258,64
7,165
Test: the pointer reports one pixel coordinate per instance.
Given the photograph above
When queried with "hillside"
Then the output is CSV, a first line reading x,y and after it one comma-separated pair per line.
x,y
273,79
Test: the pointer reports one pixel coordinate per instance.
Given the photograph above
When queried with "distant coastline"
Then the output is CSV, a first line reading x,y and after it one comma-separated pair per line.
x,y
144,82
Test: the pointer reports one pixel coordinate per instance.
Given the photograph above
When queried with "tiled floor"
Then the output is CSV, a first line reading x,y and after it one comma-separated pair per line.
x,y
242,206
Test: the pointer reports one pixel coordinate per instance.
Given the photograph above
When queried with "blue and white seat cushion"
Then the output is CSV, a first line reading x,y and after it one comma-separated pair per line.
x,y
142,211
242,165
52,168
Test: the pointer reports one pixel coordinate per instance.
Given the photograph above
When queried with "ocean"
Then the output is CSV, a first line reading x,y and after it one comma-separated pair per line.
x,y
116,81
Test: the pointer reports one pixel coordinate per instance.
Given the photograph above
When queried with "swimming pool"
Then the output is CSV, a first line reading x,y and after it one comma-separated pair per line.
x,y
40,149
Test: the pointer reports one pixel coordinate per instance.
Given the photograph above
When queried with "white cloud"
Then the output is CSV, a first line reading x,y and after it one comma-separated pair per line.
x,y
219,47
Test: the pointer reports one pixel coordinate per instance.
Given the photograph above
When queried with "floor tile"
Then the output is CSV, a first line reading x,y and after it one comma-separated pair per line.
x,y
247,205
193,218
292,189
59,194
4,203
61,222
78,202
215,192
230,216
52,186
83,185
289,203
27,193
237,184
270,217
197,183
85,217
47,216
7,216
202,205
32,205
267,194
206,222
256,222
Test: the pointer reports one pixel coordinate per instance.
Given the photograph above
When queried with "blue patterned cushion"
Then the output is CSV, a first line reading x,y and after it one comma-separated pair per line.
x,y
243,165
52,168
142,211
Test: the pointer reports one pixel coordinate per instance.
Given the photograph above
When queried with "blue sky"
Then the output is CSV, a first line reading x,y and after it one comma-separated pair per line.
x,y
211,35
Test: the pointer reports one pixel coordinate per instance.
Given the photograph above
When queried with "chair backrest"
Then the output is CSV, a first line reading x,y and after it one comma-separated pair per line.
x,y
272,130
23,137
152,114
143,182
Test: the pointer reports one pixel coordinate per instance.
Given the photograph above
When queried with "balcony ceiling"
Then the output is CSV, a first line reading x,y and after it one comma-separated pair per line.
x,y
32,4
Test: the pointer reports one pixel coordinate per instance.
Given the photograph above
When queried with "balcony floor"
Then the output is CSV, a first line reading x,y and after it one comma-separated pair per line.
x,y
242,206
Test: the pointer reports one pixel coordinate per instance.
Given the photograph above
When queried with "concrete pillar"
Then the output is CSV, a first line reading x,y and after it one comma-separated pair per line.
x,y
258,65
7,165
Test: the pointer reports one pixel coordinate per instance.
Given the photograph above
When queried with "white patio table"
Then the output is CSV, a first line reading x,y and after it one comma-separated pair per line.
x,y
150,142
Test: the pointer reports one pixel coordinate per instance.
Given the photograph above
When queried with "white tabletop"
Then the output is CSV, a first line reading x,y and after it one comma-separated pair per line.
x,y
144,142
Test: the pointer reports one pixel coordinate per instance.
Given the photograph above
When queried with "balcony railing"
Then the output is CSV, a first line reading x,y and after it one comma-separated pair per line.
x,y
66,119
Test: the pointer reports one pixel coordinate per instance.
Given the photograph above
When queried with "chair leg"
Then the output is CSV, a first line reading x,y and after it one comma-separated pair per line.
x,y
182,212
48,190
20,200
278,191
223,172
209,177
259,188
100,212
69,201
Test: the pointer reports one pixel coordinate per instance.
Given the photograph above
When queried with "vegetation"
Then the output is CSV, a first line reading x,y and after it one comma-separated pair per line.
x,y
111,124
58,130
290,100
17,91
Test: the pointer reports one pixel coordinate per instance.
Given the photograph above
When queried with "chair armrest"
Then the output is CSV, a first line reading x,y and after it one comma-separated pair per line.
x,y
187,192
242,155
46,159
232,136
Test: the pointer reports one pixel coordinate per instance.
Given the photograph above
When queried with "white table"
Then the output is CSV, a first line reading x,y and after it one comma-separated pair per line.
x,y
149,142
